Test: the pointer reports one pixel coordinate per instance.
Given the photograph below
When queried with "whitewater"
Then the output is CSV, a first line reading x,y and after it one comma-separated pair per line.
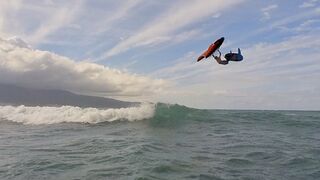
x,y
51,115
157,141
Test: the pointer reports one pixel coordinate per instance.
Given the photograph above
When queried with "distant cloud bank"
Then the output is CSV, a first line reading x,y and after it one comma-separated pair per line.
x,y
23,66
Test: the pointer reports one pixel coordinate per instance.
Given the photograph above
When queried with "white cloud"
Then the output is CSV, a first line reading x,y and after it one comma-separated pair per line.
x,y
168,23
59,18
283,22
267,10
308,25
309,4
23,66
6,8
217,15
294,43
107,21
295,18
123,11
36,21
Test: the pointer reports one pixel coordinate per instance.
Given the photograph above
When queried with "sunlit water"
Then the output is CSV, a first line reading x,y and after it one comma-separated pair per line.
x,y
176,143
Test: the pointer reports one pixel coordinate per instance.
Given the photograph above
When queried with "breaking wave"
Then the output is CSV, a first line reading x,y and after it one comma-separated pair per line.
x,y
159,114
52,115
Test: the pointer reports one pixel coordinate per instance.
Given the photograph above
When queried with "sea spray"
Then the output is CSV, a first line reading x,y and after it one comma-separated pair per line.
x,y
52,115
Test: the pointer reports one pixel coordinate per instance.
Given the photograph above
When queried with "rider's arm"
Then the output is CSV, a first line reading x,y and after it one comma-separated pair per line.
x,y
219,53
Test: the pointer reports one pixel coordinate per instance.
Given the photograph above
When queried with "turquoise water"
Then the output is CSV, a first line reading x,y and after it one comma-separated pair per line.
x,y
175,143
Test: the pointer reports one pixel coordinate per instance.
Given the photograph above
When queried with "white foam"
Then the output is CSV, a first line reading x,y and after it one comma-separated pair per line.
x,y
51,115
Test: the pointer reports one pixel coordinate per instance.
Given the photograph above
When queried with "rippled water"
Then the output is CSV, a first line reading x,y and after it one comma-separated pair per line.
x,y
176,143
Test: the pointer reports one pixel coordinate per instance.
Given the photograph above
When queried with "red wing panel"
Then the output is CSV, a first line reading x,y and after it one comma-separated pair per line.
x,y
211,49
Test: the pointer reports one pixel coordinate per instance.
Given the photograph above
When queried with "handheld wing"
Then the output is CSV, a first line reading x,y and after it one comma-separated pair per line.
x,y
211,49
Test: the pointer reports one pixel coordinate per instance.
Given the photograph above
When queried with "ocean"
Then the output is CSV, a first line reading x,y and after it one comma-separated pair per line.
x,y
157,141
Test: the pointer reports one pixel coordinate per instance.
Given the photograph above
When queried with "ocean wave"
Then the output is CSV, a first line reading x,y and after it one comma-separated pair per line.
x,y
52,115
157,114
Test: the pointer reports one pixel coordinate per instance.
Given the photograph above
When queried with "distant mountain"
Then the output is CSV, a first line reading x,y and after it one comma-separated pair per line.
x,y
14,95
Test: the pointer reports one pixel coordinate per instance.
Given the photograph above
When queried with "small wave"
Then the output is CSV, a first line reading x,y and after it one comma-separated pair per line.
x,y
52,115
170,115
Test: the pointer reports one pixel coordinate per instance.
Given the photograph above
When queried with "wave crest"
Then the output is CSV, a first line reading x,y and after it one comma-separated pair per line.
x,y
52,115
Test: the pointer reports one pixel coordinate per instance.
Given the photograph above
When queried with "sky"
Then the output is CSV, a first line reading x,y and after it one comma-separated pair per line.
x,y
146,50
